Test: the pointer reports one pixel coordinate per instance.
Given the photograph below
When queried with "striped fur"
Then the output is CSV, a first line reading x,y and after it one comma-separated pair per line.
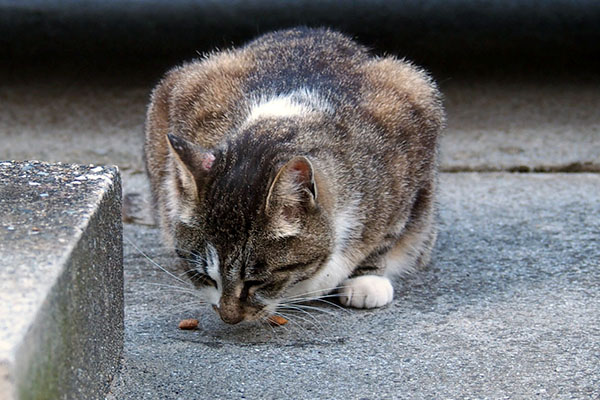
x,y
305,163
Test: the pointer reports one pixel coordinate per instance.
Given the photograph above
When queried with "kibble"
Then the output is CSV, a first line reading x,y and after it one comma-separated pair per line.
x,y
188,324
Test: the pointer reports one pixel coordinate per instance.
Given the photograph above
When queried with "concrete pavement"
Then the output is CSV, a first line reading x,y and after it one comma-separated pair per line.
x,y
509,307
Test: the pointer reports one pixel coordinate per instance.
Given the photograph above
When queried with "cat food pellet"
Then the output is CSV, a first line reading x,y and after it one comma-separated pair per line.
x,y
276,320
188,324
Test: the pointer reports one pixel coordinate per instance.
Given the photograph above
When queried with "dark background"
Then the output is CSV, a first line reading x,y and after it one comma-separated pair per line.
x,y
450,36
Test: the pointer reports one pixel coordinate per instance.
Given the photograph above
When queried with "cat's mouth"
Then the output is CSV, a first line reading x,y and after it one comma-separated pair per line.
x,y
234,315
229,318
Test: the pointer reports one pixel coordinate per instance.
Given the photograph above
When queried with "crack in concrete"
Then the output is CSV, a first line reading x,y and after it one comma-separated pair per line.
x,y
575,167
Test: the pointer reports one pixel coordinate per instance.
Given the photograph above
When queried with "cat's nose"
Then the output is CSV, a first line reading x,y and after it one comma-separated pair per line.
x,y
229,312
231,318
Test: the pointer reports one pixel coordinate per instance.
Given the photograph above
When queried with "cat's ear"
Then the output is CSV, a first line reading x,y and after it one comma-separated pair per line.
x,y
292,194
193,163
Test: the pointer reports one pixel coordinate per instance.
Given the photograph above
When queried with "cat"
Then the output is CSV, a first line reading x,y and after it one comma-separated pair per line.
x,y
295,167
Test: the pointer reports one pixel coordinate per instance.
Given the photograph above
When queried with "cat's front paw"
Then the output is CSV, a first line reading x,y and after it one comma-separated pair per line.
x,y
368,291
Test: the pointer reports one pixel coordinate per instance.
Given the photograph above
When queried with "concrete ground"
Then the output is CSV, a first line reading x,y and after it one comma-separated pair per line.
x,y
508,309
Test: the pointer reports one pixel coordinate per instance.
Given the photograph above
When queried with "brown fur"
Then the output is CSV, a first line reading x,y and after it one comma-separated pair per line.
x,y
345,182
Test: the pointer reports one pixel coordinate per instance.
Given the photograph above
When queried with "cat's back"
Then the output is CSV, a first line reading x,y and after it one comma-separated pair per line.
x,y
381,104
213,95
368,124
315,59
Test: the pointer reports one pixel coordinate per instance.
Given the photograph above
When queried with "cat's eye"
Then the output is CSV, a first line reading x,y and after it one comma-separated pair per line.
x,y
250,287
210,281
202,279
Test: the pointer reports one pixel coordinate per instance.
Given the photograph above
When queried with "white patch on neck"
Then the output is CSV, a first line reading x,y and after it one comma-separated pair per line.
x,y
348,224
297,103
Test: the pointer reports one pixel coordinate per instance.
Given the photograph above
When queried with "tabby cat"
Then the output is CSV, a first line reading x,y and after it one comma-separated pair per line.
x,y
295,167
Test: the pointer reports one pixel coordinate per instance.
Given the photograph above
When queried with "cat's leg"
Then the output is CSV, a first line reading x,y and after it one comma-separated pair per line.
x,y
368,287
370,284
412,250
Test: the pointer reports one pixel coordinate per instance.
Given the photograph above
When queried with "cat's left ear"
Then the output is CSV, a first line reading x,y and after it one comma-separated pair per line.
x,y
292,194
193,163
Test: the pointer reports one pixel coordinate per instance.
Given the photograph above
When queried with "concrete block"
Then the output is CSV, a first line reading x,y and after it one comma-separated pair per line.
x,y
61,280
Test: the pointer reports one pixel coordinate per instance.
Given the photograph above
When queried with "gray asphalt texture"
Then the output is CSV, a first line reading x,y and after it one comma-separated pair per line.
x,y
509,308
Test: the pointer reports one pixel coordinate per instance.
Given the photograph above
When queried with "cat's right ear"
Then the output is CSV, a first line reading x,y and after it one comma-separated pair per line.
x,y
292,194
193,163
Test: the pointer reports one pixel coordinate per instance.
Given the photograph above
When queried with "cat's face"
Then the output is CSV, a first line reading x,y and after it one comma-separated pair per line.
x,y
248,232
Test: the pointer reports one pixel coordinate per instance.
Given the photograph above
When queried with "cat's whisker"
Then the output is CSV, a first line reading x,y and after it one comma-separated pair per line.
x,y
175,289
169,290
291,317
173,248
299,301
187,271
288,317
299,309
166,285
324,290
186,306
169,251
308,295
331,303
175,293
155,263
310,298
200,302
317,309
319,300
266,322
295,308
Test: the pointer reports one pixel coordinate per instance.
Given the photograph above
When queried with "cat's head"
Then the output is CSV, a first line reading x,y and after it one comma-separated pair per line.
x,y
250,222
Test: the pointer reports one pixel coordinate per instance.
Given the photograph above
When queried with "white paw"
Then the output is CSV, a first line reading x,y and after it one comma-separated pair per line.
x,y
368,291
